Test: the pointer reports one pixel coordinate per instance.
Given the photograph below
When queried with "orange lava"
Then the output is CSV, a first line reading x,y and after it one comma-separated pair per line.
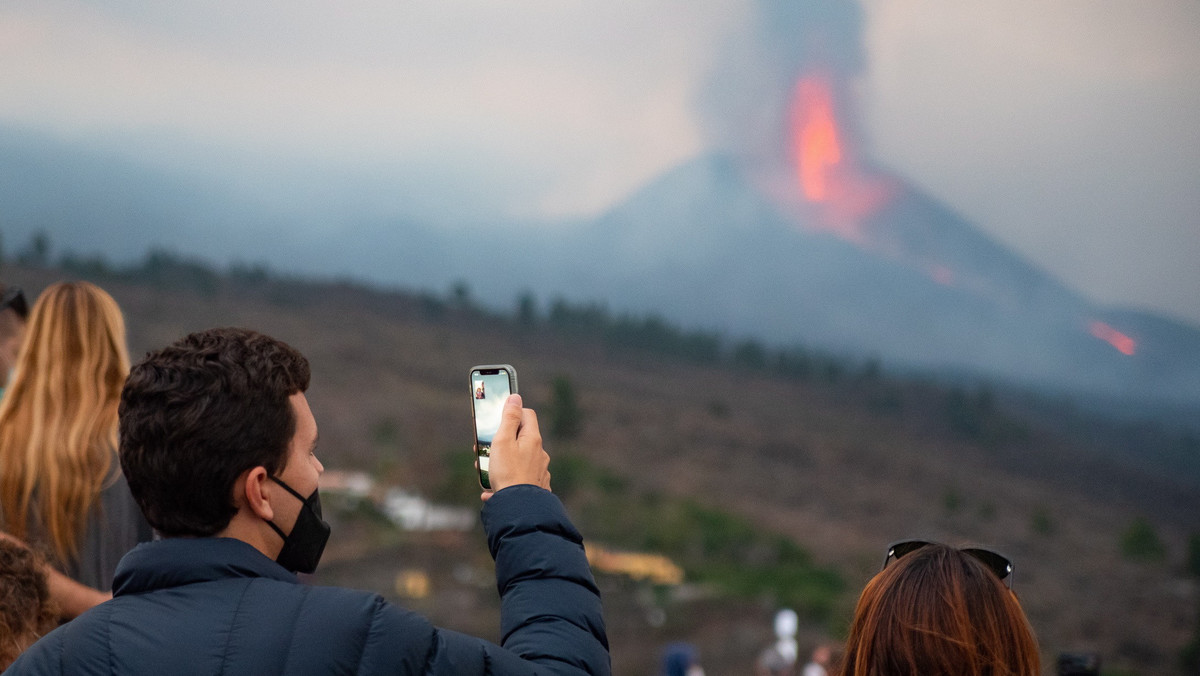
x,y
1123,343
843,196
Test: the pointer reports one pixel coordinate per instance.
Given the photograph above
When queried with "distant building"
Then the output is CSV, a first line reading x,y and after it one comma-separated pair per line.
x,y
655,568
353,484
406,510
412,512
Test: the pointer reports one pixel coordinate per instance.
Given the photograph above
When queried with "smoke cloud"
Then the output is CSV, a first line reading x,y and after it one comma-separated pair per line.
x,y
745,104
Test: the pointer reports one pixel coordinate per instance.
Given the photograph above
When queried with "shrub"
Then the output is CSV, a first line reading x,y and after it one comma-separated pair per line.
x,y
1041,523
951,501
566,420
1140,542
1192,566
714,547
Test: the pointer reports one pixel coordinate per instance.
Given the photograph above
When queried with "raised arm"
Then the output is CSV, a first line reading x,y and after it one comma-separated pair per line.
x,y
550,610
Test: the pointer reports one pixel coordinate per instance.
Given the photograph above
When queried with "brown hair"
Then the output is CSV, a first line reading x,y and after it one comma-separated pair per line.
x,y
939,612
26,609
58,418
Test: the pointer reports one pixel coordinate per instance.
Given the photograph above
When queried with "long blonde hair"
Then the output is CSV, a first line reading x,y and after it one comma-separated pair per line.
x,y
58,417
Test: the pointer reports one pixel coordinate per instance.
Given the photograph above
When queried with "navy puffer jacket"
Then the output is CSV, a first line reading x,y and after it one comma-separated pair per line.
x,y
218,606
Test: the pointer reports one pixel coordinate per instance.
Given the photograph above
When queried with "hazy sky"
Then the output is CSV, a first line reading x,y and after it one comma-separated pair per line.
x,y
1067,129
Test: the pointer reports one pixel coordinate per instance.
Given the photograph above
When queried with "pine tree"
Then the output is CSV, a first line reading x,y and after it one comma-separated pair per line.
x,y
566,420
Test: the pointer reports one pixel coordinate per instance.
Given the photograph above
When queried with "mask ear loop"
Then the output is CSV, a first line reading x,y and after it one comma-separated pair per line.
x,y
278,530
291,490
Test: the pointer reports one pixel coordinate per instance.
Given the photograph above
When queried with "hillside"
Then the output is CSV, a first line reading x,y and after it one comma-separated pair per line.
x,y
707,243
730,465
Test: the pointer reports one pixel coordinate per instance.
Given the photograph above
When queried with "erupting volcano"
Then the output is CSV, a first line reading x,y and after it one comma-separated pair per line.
x,y
888,219
790,232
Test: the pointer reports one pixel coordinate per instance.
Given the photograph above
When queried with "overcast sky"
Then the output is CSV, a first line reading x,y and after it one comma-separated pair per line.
x,y
1067,129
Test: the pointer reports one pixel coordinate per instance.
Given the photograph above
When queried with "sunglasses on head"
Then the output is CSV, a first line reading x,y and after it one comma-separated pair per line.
x,y
999,564
15,298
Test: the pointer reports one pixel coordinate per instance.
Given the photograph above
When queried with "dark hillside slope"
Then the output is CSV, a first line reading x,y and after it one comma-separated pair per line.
x,y
838,462
920,286
703,244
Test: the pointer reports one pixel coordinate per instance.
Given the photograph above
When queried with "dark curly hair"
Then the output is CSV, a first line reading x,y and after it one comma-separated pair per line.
x,y
26,610
197,414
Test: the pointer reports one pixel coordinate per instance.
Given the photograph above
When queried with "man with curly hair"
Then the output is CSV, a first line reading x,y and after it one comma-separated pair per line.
x,y
218,445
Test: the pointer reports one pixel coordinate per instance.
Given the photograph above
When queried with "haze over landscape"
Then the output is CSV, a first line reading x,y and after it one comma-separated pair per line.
x,y
1066,133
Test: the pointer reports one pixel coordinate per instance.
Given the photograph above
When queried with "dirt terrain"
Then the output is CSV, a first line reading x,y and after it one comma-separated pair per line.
x,y
838,467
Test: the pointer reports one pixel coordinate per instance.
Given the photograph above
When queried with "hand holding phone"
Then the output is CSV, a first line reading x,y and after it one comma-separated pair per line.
x,y
517,453
490,386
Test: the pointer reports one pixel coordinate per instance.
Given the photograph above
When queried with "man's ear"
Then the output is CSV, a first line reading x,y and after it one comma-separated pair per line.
x,y
250,492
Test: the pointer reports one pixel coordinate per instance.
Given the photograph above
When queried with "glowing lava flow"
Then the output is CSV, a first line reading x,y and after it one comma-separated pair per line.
x,y
818,150
1123,343
843,196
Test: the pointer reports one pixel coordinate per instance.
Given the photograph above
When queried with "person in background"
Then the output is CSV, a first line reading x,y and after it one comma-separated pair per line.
x,y
681,659
219,445
818,664
13,312
780,658
67,596
61,487
27,611
936,610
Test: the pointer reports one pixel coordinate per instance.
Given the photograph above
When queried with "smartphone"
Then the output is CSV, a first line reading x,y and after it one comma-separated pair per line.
x,y
490,386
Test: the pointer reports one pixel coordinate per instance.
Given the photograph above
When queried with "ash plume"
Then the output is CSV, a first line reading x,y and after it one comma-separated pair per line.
x,y
745,104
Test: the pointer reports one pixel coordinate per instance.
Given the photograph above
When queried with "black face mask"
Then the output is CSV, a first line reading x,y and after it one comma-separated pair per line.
x,y
302,547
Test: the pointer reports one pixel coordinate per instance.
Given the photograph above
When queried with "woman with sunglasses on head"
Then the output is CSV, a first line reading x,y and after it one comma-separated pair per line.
x,y
61,489
935,610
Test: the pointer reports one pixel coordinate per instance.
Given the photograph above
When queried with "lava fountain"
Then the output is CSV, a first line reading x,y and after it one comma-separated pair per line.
x,y
841,194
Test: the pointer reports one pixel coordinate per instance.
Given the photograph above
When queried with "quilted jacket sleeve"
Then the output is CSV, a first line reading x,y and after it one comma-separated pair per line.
x,y
550,609
550,613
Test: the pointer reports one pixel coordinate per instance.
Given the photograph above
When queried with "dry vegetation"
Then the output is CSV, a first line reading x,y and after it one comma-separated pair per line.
x,y
837,468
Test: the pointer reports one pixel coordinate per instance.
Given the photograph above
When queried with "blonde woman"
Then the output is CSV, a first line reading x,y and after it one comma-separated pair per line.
x,y
61,488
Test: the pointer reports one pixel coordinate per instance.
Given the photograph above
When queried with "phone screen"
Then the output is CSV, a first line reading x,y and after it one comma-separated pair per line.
x,y
490,387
